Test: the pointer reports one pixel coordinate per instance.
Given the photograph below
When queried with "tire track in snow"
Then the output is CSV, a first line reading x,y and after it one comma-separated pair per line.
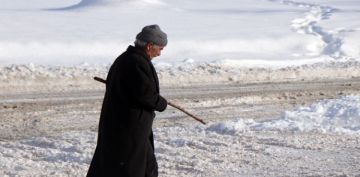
x,y
332,40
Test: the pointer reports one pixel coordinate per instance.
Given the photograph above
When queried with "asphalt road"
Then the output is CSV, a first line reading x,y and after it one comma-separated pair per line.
x,y
43,113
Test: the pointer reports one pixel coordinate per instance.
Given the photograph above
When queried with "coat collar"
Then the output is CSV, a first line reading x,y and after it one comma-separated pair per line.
x,y
138,51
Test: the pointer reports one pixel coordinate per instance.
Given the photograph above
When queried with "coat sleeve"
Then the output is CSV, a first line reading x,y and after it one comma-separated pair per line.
x,y
142,88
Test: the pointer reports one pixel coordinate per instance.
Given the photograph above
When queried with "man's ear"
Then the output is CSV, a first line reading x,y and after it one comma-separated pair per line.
x,y
148,46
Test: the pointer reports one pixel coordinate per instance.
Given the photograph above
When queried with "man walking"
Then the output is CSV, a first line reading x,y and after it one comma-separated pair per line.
x,y
125,146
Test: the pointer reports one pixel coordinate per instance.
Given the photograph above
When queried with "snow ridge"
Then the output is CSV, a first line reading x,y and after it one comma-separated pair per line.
x,y
33,77
328,116
87,3
309,24
81,4
338,116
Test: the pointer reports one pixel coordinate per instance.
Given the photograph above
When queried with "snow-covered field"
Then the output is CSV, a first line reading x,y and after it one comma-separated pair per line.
x,y
276,80
96,31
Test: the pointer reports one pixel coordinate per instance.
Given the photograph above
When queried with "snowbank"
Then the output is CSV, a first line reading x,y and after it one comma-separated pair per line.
x,y
334,116
39,77
328,116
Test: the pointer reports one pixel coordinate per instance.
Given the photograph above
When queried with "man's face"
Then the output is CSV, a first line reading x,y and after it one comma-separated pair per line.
x,y
153,50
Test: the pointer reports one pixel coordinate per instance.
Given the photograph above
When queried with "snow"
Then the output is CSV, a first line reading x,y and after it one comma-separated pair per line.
x,y
232,127
96,31
59,45
328,116
69,153
33,77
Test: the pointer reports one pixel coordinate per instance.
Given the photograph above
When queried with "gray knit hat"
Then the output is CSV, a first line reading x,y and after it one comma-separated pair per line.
x,y
153,33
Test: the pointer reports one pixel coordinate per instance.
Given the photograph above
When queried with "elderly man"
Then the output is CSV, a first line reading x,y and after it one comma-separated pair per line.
x,y
125,145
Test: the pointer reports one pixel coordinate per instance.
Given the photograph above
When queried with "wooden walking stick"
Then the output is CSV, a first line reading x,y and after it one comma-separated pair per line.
x,y
186,112
169,103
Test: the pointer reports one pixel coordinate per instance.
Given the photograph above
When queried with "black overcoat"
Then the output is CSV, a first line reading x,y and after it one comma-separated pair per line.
x,y
125,145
